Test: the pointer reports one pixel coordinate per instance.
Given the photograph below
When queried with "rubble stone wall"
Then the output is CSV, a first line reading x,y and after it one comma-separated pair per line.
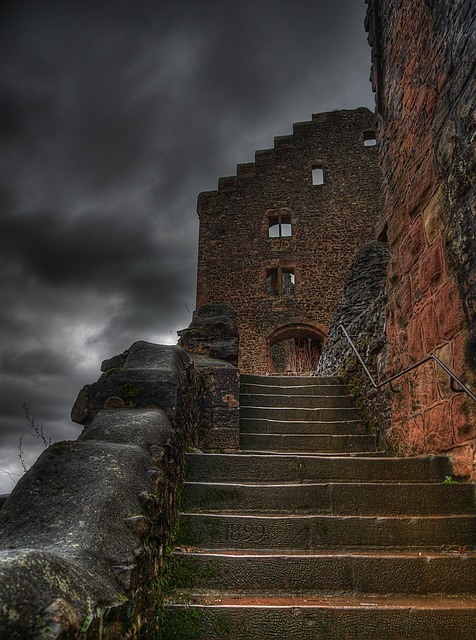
x,y
329,223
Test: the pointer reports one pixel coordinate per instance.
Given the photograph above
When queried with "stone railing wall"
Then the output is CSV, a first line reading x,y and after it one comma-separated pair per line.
x,y
84,534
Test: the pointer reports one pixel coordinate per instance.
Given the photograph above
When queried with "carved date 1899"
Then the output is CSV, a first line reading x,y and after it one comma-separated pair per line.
x,y
238,532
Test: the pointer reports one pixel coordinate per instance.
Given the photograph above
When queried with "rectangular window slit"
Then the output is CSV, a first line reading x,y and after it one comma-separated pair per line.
x,y
369,139
317,176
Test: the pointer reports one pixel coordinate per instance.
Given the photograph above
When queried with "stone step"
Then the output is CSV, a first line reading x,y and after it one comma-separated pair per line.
x,y
296,389
216,467
285,401
227,617
312,532
423,572
296,414
263,425
290,381
419,499
299,442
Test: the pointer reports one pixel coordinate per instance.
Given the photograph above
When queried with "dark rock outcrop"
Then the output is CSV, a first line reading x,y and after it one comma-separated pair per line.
x,y
362,313
213,332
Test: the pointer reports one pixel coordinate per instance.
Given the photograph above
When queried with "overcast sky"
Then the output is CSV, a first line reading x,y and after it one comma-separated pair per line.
x,y
115,114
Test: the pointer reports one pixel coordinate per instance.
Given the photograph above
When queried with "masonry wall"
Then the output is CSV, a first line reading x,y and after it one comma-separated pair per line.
x,y
423,56
330,222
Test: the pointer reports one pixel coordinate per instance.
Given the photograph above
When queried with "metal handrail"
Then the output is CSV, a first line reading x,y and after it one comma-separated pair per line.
x,y
454,379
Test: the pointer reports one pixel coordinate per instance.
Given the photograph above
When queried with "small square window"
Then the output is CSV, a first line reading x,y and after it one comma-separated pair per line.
x,y
280,227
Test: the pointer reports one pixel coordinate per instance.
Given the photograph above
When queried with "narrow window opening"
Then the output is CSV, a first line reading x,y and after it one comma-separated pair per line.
x,y
369,139
318,175
288,282
274,228
280,227
280,282
272,282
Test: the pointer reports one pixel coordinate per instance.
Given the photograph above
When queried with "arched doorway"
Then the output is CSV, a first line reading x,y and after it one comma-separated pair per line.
x,y
295,349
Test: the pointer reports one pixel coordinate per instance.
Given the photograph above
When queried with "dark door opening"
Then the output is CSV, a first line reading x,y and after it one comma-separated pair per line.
x,y
295,356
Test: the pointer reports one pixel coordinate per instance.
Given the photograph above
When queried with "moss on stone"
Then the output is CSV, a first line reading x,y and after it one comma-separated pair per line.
x,y
128,391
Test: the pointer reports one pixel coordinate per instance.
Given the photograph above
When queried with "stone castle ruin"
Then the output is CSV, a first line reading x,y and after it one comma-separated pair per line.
x,y
276,240
220,491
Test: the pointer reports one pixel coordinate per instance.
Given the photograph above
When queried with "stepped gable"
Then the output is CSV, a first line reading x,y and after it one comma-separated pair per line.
x,y
309,531
274,235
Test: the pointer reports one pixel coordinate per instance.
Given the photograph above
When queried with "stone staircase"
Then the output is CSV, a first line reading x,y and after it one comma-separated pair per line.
x,y
309,533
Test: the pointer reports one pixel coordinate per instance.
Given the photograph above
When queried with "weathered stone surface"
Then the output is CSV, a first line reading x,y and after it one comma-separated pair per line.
x,y
219,404
423,74
364,283
172,361
213,332
302,468
151,376
363,314
145,428
334,573
114,362
82,536
379,618
65,538
49,595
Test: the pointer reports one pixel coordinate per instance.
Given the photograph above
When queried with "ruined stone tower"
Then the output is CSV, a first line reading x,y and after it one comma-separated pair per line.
x,y
276,240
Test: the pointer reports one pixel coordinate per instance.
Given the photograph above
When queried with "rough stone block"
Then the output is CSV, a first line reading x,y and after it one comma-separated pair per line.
x,y
220,438
416,435
463,413
445,354
432,267
438,427
415,339
432,217
464,461
72,508
431,335
450,317
144,428
424,389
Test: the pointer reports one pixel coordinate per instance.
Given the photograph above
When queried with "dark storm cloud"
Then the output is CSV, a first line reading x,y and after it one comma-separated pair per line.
x,y
114,115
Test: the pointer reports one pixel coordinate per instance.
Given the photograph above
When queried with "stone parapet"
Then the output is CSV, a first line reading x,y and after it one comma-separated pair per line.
x,y
84,534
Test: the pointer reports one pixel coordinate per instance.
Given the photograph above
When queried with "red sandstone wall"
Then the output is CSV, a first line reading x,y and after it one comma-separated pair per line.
x,y
330,223
424,57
